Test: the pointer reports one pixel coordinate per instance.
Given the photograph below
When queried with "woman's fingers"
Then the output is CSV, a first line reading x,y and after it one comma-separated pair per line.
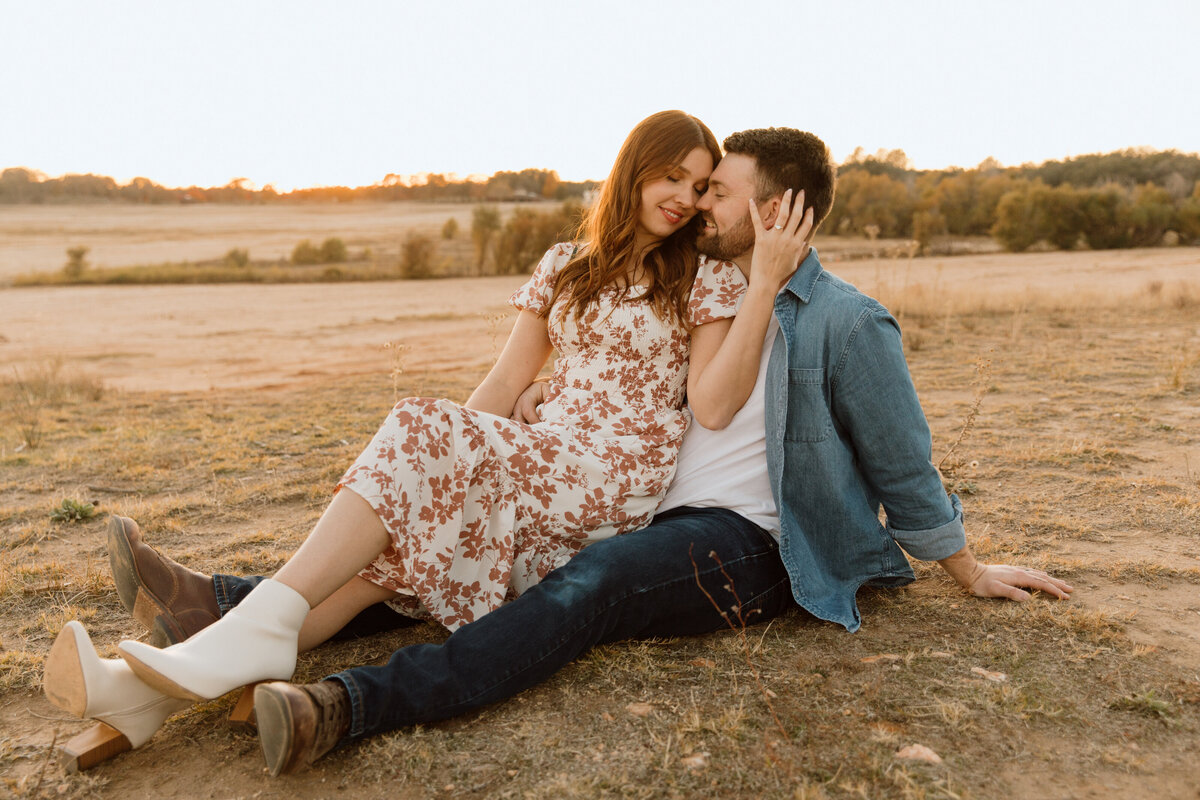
x,y
793,221
755,217
785,211
795,218
806,225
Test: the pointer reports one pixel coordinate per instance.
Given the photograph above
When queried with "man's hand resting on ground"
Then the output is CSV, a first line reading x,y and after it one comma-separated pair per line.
x,y
1001,580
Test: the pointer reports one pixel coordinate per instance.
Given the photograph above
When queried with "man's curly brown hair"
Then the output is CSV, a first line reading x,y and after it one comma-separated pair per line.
x,y
786,158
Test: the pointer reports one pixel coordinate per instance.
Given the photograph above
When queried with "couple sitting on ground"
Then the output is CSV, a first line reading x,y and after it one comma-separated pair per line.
x,y
693,275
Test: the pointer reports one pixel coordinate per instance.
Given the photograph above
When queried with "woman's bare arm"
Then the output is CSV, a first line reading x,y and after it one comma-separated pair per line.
x,y
523,357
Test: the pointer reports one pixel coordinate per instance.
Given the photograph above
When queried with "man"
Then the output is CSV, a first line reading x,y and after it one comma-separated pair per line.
x,y
782,504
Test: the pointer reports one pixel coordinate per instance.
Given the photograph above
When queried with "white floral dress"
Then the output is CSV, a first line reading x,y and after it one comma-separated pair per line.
x,y
479,507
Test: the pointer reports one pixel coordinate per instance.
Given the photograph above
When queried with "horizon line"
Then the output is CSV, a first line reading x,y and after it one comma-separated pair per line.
x,y
877,156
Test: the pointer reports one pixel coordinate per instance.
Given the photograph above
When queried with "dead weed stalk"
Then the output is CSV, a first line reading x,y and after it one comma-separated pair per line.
x,y
27,410
740,629
29,394
983,369
1181,366
398,351
494,321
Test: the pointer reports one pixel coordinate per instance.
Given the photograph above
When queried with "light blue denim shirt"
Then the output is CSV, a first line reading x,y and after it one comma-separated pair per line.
x,y
845,435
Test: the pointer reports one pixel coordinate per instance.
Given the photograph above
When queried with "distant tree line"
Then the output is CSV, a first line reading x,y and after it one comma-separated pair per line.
x,y
21,185
1129,198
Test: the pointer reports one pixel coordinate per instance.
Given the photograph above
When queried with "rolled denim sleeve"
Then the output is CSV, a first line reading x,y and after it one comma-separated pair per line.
x,y
934,544
874,400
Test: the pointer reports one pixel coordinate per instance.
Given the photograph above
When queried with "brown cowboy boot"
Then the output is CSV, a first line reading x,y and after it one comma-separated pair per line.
x,y
169,599
297,724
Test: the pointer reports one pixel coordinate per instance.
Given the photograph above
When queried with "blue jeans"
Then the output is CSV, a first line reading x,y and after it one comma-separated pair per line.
x,y
639,585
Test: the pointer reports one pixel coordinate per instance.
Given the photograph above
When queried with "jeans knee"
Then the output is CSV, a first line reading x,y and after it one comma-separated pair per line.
x,y
589,577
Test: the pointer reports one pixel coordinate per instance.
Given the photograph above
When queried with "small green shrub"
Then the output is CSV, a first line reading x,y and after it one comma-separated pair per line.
x,y
333,251
528,234
1146,703
450,229
76,264
236,257
73,511
485,221
305,253
416,256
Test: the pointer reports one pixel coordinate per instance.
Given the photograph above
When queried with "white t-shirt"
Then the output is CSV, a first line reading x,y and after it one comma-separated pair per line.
x,y
728,468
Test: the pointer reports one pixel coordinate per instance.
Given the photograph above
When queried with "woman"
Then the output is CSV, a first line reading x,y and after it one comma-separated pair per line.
x,y
450,508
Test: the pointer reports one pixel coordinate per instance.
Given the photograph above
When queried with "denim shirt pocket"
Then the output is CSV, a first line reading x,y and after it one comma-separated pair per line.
x,y
808,418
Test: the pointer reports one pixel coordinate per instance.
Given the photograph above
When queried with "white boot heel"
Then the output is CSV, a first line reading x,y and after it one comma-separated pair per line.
x,y
78,681
256,641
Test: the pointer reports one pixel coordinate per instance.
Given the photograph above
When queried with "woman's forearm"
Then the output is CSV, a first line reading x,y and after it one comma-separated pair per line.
x,y
722,373
524,353
493,397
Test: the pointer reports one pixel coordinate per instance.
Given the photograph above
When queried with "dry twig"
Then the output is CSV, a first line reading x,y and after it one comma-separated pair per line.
x,y
983,368
37,787
740,629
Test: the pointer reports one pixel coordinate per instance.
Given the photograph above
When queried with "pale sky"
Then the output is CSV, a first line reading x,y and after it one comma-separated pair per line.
x,y
303,93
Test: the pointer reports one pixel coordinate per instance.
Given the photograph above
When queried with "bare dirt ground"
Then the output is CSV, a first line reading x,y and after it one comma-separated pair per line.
x,y
253,336
221,416
245,336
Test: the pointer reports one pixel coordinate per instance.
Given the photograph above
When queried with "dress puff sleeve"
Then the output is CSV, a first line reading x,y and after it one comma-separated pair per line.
x,y
537,291
717,292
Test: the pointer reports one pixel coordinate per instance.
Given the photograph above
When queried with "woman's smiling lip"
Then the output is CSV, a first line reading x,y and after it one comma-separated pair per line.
x,y
672,217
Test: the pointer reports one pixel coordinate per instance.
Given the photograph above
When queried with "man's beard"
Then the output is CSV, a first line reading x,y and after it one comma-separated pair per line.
x,y
730,244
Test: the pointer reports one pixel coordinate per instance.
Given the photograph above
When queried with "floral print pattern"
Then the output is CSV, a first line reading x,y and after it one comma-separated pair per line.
x,y
479,507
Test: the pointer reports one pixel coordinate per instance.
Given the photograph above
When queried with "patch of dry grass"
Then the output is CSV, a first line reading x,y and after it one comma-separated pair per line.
x,y
1074,462
936,305
30,395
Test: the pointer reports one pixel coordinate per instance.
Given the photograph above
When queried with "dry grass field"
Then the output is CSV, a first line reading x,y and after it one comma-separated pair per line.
x,y
36,237
220,417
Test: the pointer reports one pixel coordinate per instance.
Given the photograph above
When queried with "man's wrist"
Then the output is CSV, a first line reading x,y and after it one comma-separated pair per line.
x,y
962,567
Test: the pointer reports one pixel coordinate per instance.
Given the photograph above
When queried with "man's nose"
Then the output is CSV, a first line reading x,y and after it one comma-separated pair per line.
x,y
703,202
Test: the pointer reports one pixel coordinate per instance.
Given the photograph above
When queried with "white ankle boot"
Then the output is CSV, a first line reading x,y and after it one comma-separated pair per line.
x,y
81,683
256,641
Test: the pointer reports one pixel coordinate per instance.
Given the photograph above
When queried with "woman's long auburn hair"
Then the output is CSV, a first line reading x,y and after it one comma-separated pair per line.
x,y
652,150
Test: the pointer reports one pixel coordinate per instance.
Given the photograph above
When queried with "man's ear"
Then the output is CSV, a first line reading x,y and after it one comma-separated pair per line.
x,y
771,210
